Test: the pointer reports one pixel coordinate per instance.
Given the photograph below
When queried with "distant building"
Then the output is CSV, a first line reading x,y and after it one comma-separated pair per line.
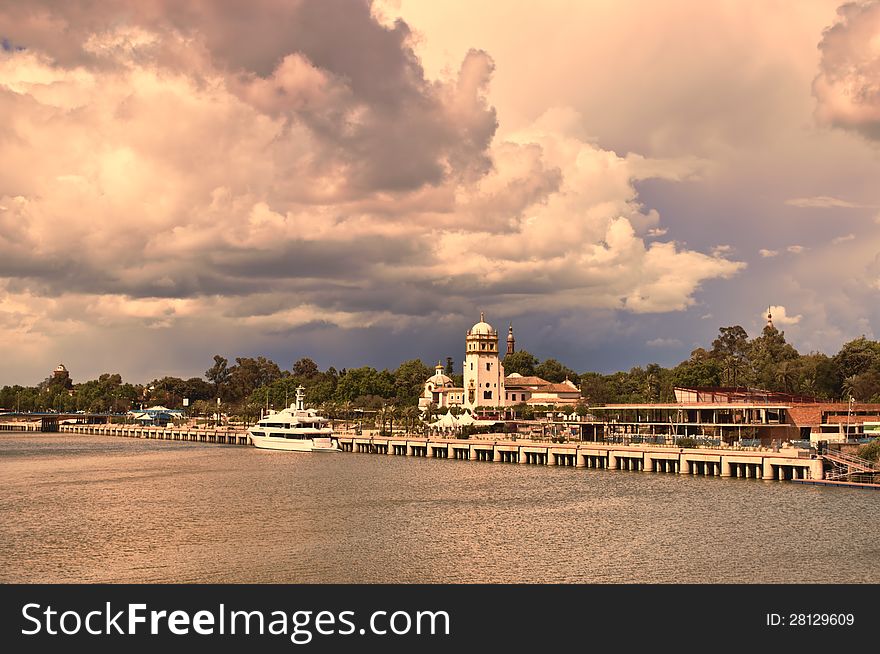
x,y
483,372
485,384
441,390
61,377
155,415
534,390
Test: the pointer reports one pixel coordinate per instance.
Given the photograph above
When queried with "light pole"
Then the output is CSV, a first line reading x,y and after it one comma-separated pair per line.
x,y
848,414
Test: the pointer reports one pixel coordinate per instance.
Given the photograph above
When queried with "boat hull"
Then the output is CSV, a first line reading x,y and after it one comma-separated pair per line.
x,y
320,444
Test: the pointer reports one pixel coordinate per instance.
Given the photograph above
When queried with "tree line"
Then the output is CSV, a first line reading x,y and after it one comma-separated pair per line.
x,y
247,385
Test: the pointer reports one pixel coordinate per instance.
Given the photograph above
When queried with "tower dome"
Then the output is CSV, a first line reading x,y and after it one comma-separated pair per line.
x,y
482,328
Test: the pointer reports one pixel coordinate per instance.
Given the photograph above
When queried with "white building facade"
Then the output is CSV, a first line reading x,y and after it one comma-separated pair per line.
x,y
483,372
485,384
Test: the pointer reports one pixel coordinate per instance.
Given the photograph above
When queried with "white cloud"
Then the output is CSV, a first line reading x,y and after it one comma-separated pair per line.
x,y
768,253
843,239
823,201
796,249
663,342
780,316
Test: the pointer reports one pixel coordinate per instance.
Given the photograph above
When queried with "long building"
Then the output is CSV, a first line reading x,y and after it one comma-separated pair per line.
x,y
729,415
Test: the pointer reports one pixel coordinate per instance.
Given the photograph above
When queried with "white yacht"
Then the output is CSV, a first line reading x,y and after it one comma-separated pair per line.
x,y
295,429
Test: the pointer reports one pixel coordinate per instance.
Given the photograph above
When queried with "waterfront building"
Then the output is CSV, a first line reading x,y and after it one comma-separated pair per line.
x,y
534,390
729,415
483,371
441,390
485,384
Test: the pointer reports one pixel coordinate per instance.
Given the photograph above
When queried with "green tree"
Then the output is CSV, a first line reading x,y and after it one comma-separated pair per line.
x,y
771,361
218,374
856,357
522,362
594,388
355,384
700,370
553,371
305,368
409,381
248,374
731,348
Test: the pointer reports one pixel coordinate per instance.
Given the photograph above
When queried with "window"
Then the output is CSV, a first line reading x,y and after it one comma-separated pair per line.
x,y
472,365
488,366
487,395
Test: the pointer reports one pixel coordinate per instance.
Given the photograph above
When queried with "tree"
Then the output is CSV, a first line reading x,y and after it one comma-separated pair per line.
x,y
521,362
249,374
594,388
654,381
305,368
218,374
700,370
770,361
409,381
857,357
731,349
450,367
358,383
553,371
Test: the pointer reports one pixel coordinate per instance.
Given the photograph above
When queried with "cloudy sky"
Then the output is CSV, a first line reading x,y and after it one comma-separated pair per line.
x,y
354,182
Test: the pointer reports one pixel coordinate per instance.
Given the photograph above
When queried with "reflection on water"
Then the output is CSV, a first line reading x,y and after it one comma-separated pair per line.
x,y
106,509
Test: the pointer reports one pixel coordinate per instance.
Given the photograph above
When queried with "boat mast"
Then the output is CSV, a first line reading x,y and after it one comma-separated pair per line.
x,y
300,398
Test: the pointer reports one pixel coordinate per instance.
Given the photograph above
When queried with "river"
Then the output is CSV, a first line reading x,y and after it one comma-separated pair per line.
x,y
79,508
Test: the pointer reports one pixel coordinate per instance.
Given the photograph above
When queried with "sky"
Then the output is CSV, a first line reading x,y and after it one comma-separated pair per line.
x,y
355,182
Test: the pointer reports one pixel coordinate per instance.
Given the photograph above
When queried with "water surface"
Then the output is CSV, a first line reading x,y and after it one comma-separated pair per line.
x,y
82,508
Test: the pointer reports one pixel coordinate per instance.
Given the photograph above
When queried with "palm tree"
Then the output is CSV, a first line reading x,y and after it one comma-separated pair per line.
x,y
411,414
393,412
849,387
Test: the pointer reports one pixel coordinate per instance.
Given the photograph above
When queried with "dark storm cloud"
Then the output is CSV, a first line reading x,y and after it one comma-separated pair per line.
x,y
387,126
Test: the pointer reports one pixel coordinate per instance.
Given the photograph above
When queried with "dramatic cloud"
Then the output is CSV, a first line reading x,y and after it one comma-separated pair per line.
x,y
848,85
291,165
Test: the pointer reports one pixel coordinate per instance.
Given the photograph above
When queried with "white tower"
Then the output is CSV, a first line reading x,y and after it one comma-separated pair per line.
x,y
483,372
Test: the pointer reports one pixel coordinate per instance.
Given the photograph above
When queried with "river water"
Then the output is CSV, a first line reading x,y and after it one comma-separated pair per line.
x,y
77,508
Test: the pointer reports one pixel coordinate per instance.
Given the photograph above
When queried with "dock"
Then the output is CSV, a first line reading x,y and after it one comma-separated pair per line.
x,y
782,465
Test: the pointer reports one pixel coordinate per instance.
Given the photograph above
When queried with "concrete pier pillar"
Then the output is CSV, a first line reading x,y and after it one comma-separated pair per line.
x,y
612,462
767,472
684,467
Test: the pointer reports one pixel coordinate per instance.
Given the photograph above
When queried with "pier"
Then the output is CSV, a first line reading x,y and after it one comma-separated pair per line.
x,y
218,436
784,464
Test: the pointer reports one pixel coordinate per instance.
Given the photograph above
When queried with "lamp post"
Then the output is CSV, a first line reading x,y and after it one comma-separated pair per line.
x,y
848,414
